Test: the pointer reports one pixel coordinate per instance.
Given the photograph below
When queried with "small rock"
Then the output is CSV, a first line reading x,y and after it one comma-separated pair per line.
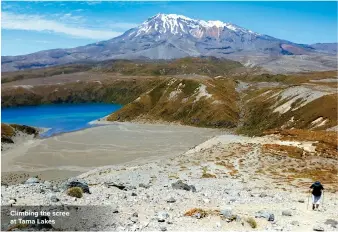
x,y
171,200
206,200
134,194
301,201
295,223
263,195
12,201
180,185
115,210
264,214
163,228
332,223
135,214
287,213
226,213
318,228
143,186
54,198
32,180
47,184
271,217
162,216
134,219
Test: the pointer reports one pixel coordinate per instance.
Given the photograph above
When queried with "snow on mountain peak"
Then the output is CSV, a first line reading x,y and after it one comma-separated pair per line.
x,y
180,24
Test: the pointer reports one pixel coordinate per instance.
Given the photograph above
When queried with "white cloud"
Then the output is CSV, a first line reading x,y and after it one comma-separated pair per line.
x,y
13,21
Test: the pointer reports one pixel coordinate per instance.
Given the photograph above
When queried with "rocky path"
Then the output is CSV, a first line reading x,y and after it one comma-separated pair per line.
x,y
217,186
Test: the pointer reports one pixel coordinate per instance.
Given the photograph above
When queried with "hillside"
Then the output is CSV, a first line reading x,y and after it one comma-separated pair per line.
x,y
206,91
15,134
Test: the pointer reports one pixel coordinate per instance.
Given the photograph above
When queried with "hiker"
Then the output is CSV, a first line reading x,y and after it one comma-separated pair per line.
x,y
317,188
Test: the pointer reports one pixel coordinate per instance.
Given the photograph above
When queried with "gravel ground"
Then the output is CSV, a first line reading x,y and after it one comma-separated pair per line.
x,y
147,197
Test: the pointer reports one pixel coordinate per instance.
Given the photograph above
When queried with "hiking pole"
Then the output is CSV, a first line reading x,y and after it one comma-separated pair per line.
x,y
308,199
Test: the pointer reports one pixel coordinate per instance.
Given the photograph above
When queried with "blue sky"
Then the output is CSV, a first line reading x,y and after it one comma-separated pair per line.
x,y
33,26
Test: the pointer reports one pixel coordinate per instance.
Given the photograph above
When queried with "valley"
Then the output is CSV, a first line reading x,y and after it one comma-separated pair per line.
x,y
212,127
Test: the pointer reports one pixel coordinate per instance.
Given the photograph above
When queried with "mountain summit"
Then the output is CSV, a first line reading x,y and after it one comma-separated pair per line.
x,y
164,24
170,36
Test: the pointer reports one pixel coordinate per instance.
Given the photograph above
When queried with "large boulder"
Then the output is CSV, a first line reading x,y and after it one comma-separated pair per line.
x,y
32,180
74,182
183,186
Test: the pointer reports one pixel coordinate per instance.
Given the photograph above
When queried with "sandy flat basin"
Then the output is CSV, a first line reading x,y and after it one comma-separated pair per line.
x,y
73,153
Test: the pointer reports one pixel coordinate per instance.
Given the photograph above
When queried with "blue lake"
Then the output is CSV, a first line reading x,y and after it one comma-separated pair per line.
x,y
59,118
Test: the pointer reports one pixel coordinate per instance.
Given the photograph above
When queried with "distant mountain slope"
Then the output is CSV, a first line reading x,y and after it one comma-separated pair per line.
x,y
174,36
326,47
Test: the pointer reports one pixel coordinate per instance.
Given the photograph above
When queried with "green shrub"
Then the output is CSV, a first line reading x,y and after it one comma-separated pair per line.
x,y
75,192
252,222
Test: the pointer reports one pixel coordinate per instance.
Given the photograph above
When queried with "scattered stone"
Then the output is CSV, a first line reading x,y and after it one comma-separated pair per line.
x,y
134,194
193,189
163,228
135,214
206,200
134,219
180,185
162,216
227,213
76,183
263,195
119,186
332,223
143,186
12,201
287,213
295,223
301,201
32,180
115,210
318,228
264,214
54,198
171,200
47,184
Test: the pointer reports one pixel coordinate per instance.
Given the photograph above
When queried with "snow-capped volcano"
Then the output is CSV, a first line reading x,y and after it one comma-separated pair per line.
x,y
181,25
170,36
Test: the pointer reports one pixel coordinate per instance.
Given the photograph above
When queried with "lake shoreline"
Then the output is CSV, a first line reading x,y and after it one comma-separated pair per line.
x,y
62,156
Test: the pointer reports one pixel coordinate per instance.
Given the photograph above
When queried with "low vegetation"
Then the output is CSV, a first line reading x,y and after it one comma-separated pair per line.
x,y
291,151
326,141
207,66
252,222
204,103
75,192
